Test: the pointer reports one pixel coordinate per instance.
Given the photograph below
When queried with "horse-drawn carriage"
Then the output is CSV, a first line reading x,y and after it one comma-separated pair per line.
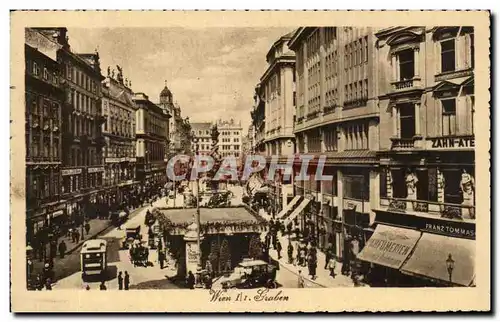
x,y
139,254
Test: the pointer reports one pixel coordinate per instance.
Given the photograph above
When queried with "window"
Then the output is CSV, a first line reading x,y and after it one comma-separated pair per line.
x,y
45,73
356,186
449,116
398,183
427,184
452,190
383,182
406,64
407,120
36,70
448,56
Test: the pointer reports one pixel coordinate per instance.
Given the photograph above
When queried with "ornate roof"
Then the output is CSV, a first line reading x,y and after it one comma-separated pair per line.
x,y
165,91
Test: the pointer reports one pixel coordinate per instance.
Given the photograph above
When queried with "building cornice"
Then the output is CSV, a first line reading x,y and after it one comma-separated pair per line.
x,y
281,61
297,37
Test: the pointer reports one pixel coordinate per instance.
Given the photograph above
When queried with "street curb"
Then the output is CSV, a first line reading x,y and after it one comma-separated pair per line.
x,y
98,233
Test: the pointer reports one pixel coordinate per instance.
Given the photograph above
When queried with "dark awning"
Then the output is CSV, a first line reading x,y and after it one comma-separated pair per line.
x,y
431,253
389,246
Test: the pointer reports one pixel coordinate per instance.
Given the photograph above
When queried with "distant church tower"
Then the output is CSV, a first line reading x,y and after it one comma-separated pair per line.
x,y
166,96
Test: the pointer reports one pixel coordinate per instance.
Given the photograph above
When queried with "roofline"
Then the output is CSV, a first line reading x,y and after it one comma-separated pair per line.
x,y
284,38
298,35
279,61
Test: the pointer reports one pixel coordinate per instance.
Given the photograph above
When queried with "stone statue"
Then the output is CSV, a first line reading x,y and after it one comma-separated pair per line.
x,y
113,73
109,71
126,81
467,186
119,76
411,185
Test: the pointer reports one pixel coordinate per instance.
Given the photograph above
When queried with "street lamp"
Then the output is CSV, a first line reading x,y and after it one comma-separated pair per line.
x,y
450,265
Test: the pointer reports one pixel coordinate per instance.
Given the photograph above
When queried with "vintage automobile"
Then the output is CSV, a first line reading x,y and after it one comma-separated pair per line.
x,y
251,273
133,232
93,257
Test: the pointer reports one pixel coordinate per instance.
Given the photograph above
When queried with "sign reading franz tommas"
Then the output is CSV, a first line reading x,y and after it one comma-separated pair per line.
x,y
453,142
436,225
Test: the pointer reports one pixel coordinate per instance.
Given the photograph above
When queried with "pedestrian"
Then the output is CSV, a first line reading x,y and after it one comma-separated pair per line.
x,y
39,282
300,283
328,255
120,281
53,249
62,249
190,280
48,284
290,253
77,236
332,264
102,287
313,263
146,256
87,287
278,248
126,281
161,258
87,228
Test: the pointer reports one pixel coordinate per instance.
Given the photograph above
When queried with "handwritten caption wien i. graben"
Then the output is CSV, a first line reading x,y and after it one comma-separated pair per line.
x,y
258,295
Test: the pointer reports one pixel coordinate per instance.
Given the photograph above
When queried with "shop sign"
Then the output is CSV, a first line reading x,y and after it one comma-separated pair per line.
x,y
94,170
450,229
427,224
112,160
446,143
70,172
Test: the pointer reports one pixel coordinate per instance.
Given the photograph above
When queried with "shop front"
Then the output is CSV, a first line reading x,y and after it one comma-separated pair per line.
x,y
444,254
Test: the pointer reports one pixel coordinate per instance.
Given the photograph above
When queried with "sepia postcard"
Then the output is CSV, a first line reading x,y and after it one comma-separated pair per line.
x,y
250,161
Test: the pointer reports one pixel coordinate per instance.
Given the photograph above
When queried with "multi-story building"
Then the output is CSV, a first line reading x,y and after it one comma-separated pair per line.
x,y
119,111
44,100
151,139
176,122
426,86
278,85
337,116
230,138
202,136
82,141
258,115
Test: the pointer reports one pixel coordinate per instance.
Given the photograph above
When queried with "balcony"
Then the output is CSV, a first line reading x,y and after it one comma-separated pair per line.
x,y
355,103
406,143
329,109
312,115
443,210
406,84
300,119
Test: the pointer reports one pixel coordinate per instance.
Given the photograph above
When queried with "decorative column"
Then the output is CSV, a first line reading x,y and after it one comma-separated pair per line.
x,y
417,119
394,67
394,121
416,54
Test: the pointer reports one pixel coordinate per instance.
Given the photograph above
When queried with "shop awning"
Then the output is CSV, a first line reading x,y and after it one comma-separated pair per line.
x,y
431,253
389,246
288,207
297,211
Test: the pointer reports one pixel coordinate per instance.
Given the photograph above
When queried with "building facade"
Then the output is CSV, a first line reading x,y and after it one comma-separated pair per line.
x,y
337,116
202,136
427,157
82,141
44,100
278,86
231,133
119,111
151,139
258,115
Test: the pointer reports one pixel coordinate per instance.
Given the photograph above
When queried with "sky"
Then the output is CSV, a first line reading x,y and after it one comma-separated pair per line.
x,y
212,72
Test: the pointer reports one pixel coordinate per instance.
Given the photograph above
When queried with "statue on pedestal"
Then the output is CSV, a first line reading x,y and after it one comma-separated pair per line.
x,y
411,185
467,186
